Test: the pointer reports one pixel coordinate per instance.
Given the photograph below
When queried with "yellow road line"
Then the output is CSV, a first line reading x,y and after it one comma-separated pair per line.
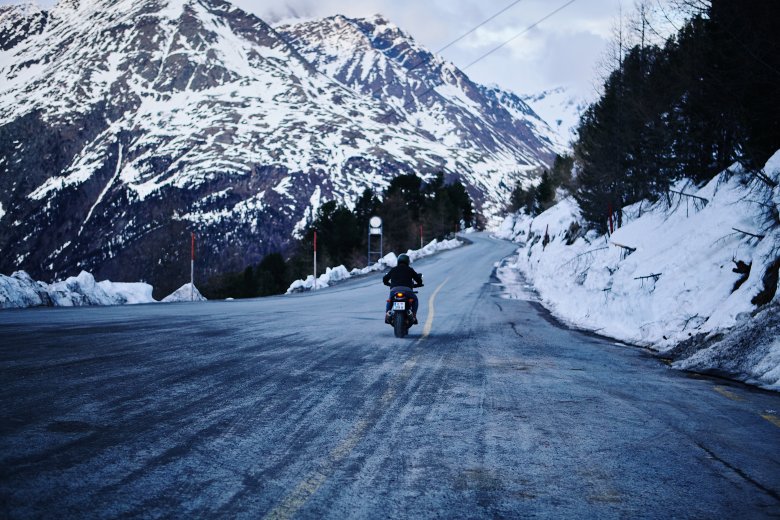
x,y
295,500
727,394
772,418
314,480
431,310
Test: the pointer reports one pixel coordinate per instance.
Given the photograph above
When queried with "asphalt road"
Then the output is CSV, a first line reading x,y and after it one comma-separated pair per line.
x,y
307,406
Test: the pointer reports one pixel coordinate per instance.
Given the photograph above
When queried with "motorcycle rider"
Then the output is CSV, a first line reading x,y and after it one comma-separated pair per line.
x,y
402,277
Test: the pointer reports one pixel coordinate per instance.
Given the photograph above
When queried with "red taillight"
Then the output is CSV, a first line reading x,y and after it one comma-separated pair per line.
x,y
388,301
411,300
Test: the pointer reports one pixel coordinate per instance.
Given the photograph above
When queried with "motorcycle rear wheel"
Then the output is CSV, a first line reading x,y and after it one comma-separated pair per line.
x,y
399,325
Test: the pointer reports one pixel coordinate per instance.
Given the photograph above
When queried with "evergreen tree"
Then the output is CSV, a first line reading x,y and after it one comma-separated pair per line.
x,y
545,192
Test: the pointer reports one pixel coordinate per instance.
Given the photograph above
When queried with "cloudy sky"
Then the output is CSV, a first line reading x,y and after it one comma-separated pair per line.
x,y
562,51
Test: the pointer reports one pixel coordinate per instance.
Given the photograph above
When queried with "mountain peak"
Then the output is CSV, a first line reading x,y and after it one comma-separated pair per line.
x,y
183,115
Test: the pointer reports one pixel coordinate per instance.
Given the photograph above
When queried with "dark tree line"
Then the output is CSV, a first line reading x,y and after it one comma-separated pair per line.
x,y
407,203
688,108
535,199
342,234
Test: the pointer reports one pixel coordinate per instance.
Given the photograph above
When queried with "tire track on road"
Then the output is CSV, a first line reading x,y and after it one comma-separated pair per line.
x,y
307,487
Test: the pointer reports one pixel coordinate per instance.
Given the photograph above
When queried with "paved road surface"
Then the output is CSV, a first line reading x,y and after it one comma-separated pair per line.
x,y
307,406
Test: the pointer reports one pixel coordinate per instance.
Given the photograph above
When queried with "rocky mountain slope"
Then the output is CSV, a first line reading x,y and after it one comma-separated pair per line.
x,y
124,125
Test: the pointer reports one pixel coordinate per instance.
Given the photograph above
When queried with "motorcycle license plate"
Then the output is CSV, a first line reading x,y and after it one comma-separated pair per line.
x,y
399,306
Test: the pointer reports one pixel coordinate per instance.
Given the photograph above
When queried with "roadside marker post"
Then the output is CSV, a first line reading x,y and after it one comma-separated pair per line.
x,y
192,269
315,260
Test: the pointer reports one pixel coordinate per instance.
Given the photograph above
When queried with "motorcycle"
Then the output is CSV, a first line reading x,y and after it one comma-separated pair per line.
x,y
400,315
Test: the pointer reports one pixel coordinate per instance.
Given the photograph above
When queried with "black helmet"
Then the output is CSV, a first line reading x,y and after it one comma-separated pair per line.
x,y
403,259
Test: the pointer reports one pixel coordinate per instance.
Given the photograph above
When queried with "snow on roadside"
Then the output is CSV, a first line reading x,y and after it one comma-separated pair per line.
x,y
337,274
186,293
676,284
84,290
19,290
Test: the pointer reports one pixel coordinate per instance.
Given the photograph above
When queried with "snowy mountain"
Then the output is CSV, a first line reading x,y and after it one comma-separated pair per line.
x,y
560,108
126,124
374,57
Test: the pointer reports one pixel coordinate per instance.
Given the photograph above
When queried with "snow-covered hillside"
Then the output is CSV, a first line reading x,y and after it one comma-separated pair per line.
x,y
668,275
560,109
374,57
125,124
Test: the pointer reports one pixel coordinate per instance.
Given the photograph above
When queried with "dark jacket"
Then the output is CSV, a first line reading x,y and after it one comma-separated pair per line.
x,y
402,276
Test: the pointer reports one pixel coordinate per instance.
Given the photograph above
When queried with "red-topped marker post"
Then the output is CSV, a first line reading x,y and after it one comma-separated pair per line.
x,y
315,259
192,269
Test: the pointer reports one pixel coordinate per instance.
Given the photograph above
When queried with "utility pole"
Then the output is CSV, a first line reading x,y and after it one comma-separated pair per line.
x,y
192,269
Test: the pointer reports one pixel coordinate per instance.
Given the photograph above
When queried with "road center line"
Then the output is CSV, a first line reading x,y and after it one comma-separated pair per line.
x,y
772,418
431,310
727,394
314,480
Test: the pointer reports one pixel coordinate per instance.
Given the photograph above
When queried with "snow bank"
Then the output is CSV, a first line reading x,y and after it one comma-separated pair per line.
x,y
20,290
84,290
749,352
667,274
340,273
185,293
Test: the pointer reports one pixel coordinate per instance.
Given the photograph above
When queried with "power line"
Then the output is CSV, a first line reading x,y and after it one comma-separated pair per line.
x,y
516,36
459,38
431,55
420,63
491,51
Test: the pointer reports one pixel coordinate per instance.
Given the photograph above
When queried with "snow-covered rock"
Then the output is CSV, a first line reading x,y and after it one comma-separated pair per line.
x,y
185,293
667,274
340,273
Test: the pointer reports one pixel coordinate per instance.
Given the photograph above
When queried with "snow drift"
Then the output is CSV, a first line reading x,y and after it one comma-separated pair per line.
x,y
668,276
336,274
20,290
186,293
